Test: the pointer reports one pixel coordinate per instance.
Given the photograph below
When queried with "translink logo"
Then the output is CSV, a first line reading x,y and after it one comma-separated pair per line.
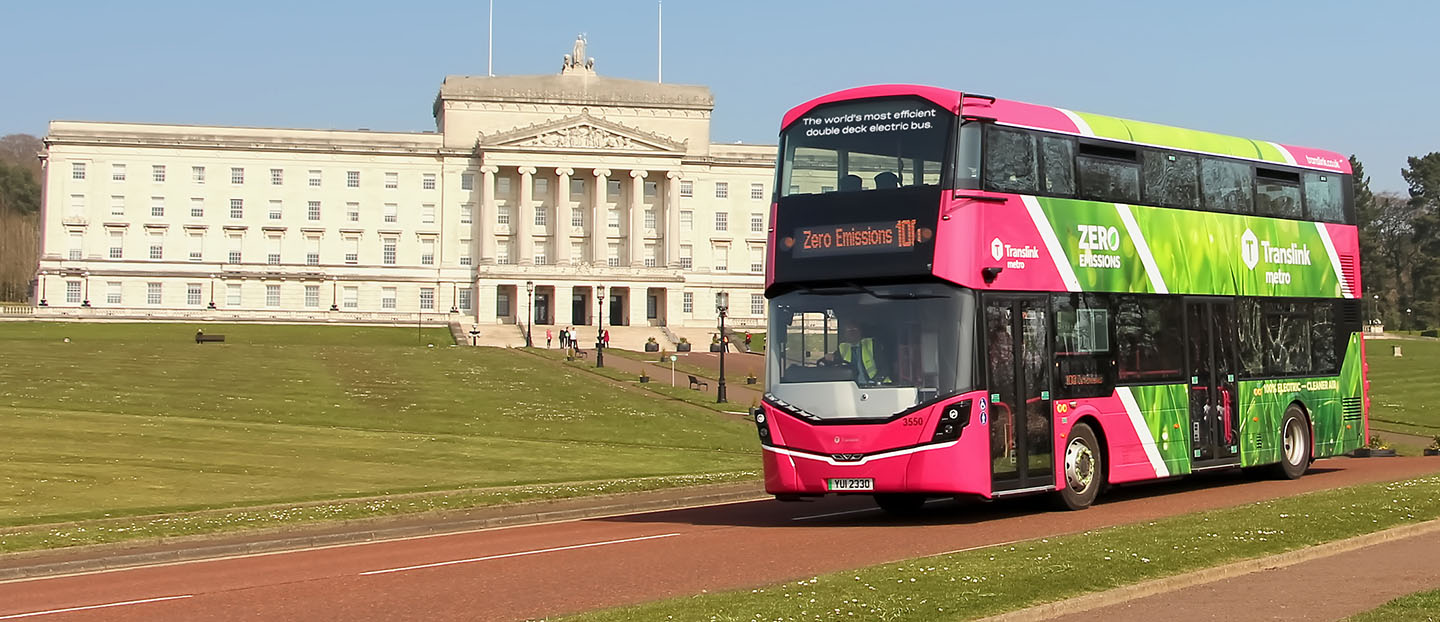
x,y
997,249
1250,249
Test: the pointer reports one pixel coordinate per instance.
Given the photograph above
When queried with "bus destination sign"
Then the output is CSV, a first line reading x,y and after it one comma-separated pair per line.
x,y
855,239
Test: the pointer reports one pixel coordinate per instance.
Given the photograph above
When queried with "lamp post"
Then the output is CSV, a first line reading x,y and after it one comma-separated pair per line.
x,y
529,312
43,303
86,275
1409,319
600,326
1375,312
334,293
722,306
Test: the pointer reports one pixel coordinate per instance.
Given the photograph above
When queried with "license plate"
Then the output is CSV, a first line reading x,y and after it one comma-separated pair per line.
x,y
851,483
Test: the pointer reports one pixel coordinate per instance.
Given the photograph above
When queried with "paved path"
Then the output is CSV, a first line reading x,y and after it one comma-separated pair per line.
x,y
737,392
546,570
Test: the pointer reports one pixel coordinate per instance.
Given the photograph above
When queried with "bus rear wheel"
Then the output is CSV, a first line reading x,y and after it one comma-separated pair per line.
x,y
900,504
1084,468
1294,444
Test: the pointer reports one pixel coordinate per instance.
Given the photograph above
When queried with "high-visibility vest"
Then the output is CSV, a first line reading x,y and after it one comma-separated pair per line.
x,y
867,367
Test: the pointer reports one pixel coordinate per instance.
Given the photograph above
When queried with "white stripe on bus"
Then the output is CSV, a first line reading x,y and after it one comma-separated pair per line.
x,y
1284,153
1142,430
1334,260
1080,124
1047,233
1157,280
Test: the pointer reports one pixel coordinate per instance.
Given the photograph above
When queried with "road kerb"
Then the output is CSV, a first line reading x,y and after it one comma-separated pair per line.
x,y
1096,600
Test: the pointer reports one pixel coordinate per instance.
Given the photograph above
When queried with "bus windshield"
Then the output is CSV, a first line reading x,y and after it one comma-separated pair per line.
x,y
869,351
873,144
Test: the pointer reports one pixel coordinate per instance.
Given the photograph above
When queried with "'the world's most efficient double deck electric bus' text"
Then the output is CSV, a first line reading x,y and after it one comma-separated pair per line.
x,y
975,296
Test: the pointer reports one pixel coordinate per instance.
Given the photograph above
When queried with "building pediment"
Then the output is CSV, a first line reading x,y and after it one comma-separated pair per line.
x,y
582,132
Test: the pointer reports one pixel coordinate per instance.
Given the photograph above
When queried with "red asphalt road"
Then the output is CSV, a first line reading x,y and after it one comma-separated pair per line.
x,y
713,548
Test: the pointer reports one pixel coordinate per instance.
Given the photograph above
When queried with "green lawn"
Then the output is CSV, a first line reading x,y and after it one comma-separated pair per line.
x,y
1421,607
993,580
1404,391
131,419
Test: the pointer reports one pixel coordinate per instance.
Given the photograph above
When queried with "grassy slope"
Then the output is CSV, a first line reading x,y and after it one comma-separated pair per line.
x,y
136,418
1424,606
1404,390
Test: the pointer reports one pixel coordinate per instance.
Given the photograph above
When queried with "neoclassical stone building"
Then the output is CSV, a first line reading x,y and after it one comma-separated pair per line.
x,y
563,183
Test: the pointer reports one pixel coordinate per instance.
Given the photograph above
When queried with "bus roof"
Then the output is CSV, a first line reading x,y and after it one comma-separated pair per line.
x,y
1010,112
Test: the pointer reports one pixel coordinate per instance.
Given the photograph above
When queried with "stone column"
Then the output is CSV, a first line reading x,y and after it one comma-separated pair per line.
x,y
672,219
560,228
636,222
524,222
599,225
486,217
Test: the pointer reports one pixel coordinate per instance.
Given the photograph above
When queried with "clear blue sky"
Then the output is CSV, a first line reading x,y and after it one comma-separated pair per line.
x,y
1352,77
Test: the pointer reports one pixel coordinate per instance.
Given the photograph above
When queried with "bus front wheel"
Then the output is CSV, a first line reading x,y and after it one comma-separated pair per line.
x,y
1084,468
1294,444
900,504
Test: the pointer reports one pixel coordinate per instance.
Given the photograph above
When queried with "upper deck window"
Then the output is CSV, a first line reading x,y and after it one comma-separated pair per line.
x,y
875,144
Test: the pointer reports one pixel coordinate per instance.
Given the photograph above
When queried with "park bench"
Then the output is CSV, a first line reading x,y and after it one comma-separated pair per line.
x,y
204,338
697,384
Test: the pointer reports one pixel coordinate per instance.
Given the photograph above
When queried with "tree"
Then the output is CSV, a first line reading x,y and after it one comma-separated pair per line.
x,y
19,191
22,150
1423,176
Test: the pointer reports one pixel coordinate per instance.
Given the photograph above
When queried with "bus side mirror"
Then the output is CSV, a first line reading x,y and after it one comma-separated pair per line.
x,y
989,273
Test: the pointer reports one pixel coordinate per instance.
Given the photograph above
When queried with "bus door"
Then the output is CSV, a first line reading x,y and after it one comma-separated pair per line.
x,y
1017,336
1214,403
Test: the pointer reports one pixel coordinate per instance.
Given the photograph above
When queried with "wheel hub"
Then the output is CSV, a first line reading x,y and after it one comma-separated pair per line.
x,y
1079,466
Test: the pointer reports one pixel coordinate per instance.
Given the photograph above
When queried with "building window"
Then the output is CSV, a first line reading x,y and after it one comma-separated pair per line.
x,y
237,208
312,251
757,304
352,179
541,186
722,221
314,180
277,176
687,258
77,244
465,251
77,206
194,294
427,181
467,213
117,244
157,172
502,216
612,189
577,217
272,296
112,292
153,293
117,172
197,247
392,181
757,191
312,210
157,248
687,220
649,219
272,259
427,299
687,188
427,213
650,260
72,292
502,186
539,216
577,188
687,302
467,181
502,302
757,263
232,294
233,255
757,223
351,299
77,170
197,174
352,251
466,299
352,211
722,190
389,251
157,206
392,212
427,252
540,258
277,210
651,188
612,218
721,255
387,298
502,253
117,205
312,296
197,207
612,255
237,175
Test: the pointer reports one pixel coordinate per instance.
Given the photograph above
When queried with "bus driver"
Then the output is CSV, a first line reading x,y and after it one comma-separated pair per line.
x,y
856,351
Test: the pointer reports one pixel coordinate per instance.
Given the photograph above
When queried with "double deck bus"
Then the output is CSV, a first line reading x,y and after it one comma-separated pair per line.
x,y
975,296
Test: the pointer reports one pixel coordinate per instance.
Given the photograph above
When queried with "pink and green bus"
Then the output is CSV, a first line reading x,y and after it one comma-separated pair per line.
x,y
970,296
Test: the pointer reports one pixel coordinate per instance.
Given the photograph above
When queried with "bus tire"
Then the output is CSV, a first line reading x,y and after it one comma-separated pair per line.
x,y
1084,468
900,504
1294,444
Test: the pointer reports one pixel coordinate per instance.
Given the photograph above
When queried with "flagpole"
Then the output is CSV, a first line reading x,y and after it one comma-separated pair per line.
x,y
660,42
490,41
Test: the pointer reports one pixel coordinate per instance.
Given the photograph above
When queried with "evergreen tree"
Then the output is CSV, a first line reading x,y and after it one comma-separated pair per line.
x,y
1423,176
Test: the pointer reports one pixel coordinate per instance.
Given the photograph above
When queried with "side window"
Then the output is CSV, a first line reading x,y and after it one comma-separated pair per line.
x,y
1083,356
1324,198
1227,186
1277,193
1324,349
967,156
1059,158
1171,180
1252,337
1287,338
1108,174
1149,345
1010,162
